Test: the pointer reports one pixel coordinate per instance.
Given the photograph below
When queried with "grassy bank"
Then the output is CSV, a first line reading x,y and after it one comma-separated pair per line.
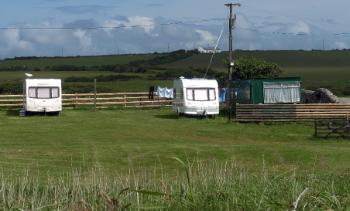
x,y
196,186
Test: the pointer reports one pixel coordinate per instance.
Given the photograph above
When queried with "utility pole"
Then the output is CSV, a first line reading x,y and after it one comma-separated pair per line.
x,y
323,45
232,21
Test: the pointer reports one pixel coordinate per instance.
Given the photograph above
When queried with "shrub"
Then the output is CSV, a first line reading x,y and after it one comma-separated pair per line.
x,y
102,78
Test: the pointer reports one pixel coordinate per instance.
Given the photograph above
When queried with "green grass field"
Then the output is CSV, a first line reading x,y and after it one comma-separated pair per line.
x,y
119,139
153,160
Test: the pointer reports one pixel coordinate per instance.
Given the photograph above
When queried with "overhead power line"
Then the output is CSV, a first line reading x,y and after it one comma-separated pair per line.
x,y
89,28
113,27
279,33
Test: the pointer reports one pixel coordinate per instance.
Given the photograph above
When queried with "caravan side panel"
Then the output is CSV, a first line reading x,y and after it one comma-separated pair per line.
x,y
178,102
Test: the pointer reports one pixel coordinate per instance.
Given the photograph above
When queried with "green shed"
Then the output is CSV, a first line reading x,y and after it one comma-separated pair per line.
x,y
268,90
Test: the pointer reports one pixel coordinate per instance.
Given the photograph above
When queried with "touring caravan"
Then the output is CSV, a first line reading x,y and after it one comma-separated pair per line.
x,y
196,97
42,95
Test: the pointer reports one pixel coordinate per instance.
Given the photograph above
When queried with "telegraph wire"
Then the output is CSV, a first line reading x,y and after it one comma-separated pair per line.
x,y
202,21
113,27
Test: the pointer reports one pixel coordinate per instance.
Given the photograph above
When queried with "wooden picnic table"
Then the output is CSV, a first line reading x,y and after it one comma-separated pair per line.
x,y
334,128
342,130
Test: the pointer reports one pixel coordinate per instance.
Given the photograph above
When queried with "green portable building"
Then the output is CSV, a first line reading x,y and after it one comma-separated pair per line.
x,y
268,90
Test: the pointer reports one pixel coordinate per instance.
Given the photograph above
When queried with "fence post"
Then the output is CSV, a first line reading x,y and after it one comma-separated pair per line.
x,y
95,94
75,100
315,128
158,100
125,100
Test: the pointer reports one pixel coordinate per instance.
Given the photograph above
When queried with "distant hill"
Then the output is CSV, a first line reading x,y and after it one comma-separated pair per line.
x,y
89,61
329,69
339,58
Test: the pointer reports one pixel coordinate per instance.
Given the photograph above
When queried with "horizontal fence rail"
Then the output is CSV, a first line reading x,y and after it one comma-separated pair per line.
x,y
124,99
291,112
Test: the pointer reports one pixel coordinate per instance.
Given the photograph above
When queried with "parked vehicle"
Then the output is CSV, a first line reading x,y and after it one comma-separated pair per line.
x,y
196,97
43,95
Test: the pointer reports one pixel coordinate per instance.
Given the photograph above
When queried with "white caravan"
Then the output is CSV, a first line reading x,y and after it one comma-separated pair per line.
x,y
43,95
196,97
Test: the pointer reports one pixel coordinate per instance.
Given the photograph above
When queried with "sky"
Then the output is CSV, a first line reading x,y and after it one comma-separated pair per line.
x,y
64,27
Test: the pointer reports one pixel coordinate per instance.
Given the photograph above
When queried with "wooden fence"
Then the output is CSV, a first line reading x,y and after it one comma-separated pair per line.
x,y
122,99
291,112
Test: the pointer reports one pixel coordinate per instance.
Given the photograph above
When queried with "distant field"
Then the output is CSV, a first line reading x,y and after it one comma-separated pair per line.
x,y
78,61
328,69
337,79
283,58
118,139
19,75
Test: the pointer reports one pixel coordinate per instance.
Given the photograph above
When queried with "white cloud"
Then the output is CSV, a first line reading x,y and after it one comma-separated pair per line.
x,y
146,23
341,45
14,41
84,38
207,38
300,28
152,35
46,37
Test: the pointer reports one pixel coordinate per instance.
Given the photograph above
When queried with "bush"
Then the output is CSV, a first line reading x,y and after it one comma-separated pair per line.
x,y
11,88
68,68
16,68
102,78
250,68
346,91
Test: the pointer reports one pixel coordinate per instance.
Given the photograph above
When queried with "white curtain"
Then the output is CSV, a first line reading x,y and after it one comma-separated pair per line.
x,y
281,92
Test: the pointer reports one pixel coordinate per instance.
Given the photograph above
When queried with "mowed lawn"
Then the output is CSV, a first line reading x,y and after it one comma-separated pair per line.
x,y
117,140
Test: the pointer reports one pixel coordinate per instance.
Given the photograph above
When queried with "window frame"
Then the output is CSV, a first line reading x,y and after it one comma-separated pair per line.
x,y
208,94
47,87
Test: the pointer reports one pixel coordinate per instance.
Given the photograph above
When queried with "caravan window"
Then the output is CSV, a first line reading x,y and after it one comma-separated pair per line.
x,y
212,94
32,92
44,92
201,94
189,93
55,92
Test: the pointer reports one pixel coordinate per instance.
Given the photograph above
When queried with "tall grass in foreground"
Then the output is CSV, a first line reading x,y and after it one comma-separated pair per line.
x,y
198,186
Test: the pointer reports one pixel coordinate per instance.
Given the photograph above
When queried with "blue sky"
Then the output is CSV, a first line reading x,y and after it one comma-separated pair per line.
x,y
268,24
